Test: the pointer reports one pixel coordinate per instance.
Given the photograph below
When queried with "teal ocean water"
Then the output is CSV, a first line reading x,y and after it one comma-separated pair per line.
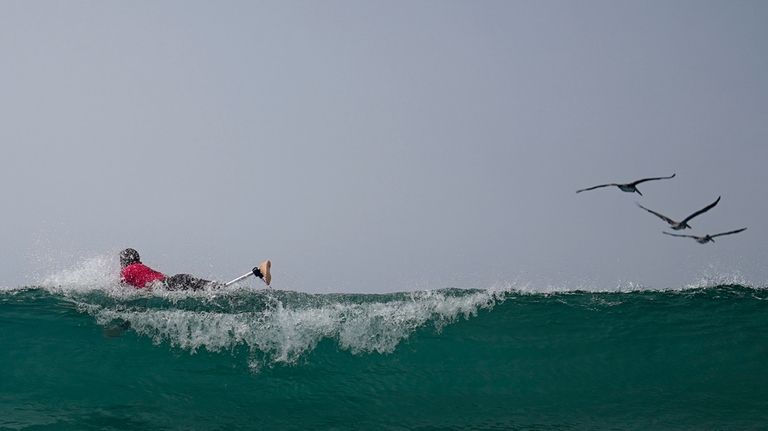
x,y
79,357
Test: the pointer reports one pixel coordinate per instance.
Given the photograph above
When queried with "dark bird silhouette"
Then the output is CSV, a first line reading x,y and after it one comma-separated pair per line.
x,y
682,224
706,238
628,187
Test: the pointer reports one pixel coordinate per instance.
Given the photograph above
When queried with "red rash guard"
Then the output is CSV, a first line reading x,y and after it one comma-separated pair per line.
x,y
140,275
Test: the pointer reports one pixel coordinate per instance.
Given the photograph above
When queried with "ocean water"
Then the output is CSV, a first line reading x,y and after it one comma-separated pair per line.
x,y
89,355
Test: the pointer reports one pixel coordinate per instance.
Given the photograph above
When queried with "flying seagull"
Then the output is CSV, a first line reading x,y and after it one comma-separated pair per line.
x,y
628,187
682,224
706,238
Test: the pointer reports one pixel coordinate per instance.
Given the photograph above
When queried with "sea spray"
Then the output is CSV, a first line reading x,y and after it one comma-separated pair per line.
x,y
94,273
285,330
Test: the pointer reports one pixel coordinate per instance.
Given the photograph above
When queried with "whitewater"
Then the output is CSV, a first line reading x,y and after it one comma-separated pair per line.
x,y
79,351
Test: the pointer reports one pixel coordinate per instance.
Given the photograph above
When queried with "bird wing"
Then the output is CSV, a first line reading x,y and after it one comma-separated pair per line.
x,y
651,179
594,187
661,216
682,236
703,210
729,233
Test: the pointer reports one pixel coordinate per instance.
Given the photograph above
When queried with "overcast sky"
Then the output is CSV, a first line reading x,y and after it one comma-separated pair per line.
x,y
385,146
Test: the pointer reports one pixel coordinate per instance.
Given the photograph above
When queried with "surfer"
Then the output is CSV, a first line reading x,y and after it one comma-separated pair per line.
x,y
134,273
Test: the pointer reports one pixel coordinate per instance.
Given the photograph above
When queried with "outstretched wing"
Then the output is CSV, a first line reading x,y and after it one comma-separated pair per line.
x,y
729,233
595,187
651,179
661,216
681,236
701,211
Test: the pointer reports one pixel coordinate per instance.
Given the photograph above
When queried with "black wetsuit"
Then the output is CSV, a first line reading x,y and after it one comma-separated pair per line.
x,y
186,282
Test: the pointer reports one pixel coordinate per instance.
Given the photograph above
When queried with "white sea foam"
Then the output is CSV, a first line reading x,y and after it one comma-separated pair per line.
x,y
282,334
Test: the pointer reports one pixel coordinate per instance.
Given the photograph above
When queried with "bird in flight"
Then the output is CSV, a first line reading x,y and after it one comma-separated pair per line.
x,y
628,187
681,224
706,238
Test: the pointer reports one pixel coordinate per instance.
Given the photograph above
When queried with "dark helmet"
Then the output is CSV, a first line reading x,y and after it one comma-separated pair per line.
x,y
129,256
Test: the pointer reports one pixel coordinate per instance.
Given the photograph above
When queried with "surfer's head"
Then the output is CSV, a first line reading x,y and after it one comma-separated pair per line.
x,y
129,256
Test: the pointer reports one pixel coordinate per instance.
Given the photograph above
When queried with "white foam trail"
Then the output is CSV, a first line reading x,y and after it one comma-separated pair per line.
x,y
283,334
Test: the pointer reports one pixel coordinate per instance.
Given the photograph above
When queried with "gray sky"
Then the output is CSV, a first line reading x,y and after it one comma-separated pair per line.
x,y
384,146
